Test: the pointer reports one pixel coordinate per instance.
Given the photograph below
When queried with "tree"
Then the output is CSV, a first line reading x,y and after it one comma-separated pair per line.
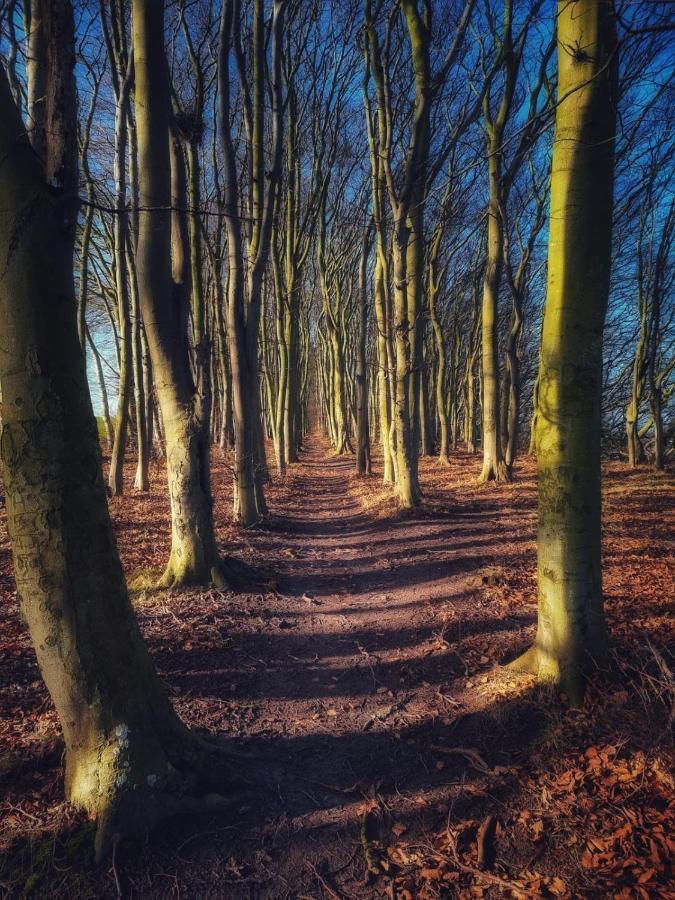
x,y
248,260
571,631
363,465
501,176
129,759
406,192
194,556
121,70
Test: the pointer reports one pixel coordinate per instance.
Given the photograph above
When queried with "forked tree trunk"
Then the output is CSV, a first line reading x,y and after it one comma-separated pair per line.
x,y
571,626
194,557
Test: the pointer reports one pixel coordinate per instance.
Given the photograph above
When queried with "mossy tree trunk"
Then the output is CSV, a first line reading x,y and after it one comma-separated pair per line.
x,y
571,634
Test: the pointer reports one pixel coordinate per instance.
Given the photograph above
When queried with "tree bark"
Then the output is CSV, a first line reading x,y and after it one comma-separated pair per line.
x,y
571,634
128,756
194,557
363,465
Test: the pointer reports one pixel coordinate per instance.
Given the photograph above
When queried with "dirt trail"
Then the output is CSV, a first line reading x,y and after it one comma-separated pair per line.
x,y
340,684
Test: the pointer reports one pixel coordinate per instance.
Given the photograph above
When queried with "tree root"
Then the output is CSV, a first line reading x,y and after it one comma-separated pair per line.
x,y
226,573
241,576
133,814
498,472
485,843
198,778
549,672
527,662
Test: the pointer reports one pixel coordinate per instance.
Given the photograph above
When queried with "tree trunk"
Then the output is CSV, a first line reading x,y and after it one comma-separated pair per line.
x,y
120,225
109,433
407,487
362,430
194,556
142,480
494,467
571,627
128,756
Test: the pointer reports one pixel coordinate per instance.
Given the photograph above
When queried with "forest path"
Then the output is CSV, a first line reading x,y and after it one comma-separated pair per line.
x,y
342,681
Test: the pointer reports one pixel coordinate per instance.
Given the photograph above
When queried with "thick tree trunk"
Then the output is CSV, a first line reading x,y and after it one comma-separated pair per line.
x,y
127,754
571,627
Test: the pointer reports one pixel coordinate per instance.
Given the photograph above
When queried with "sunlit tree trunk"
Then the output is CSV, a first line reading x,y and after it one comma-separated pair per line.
x,y
194,556
433,288
380,281
571,627
105,408
142,479
362,430
36,74
494,467
245,279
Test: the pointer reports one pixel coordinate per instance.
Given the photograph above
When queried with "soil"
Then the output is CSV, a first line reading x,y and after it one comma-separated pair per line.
x,y
386,750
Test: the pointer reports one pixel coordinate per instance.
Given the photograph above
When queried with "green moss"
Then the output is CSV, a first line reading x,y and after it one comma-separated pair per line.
x,y
100,427
34,864
31,883
143,581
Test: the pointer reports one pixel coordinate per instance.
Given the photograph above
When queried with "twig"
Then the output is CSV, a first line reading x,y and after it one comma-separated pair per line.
x,y
323,882
484,846
473,756
118,886
373,868
487,876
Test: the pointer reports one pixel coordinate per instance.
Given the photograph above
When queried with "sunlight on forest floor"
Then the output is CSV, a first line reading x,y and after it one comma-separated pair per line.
x,y
388,750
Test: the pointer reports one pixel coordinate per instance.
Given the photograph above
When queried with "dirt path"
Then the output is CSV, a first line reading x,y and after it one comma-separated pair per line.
x,y
340,684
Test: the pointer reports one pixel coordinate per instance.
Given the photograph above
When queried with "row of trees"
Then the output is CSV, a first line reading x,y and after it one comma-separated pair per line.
x,y
266,213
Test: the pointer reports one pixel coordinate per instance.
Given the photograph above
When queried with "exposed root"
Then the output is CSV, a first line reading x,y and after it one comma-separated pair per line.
x,y
226,573
199,777
527,662
134,814
241,576
498,472
550,672
485,843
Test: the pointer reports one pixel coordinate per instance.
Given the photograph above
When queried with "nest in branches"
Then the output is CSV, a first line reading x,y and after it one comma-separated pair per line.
x,y
190,125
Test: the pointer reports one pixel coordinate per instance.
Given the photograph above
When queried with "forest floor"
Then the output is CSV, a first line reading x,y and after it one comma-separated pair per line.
x,y
388,751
